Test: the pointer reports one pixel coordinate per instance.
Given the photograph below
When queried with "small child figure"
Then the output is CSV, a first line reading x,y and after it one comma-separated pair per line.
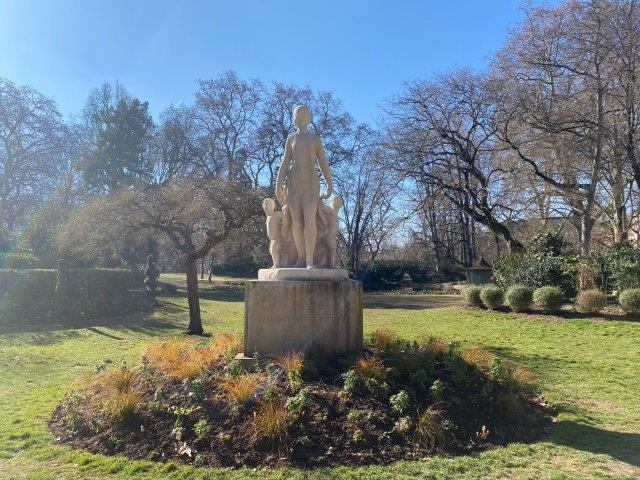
x,y
274,230
333,226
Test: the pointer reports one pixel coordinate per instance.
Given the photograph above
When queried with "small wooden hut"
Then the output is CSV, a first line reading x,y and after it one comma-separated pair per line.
x,y
480,272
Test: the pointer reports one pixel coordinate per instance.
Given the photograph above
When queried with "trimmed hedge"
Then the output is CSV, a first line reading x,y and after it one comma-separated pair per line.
x,y
548,298
492,296
471,295
87,292
18,260
237,269
630,300
519,298
591,301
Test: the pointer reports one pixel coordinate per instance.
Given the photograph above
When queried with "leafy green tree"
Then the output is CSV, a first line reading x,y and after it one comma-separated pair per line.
x,y
117,133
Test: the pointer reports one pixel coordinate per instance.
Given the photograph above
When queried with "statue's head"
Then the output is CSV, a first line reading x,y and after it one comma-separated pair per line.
x,y
301,116
269,206
149,259
336,202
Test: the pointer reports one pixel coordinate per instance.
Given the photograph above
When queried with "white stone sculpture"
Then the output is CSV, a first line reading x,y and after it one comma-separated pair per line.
x,y
282,245
298,187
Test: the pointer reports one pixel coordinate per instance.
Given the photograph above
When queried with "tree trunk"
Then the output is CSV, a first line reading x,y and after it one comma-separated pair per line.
x,y
195,320
586,227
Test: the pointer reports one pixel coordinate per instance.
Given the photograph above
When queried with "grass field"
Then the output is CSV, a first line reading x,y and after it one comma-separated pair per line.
x,y
589,369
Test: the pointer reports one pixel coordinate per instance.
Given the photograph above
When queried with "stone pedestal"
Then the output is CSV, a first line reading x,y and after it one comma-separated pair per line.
x,y
313,314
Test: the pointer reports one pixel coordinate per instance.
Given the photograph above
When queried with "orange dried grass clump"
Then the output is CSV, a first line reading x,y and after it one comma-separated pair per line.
x,y
437,346
479,358
371,367
269,419
114,391
383,339
241,388
182,358
291,362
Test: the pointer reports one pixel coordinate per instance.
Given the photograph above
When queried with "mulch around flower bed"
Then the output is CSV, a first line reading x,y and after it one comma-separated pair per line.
x,y
309,417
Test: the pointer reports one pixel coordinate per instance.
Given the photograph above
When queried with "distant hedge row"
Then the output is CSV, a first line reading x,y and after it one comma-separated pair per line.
x,y
86,292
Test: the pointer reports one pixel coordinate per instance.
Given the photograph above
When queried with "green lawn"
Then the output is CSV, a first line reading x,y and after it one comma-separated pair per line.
x,y
589,369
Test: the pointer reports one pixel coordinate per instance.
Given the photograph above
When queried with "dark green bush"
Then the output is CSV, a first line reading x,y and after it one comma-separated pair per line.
x,y
380,272
624,267
591,301
536,269
237,269
471,295
548,298
519,297
630,300
87,292
492,296
18,260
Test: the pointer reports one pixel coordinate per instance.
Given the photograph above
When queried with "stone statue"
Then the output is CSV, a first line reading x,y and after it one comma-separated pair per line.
x,y
327,243
151,275
302,152
62,279
282,246
275,222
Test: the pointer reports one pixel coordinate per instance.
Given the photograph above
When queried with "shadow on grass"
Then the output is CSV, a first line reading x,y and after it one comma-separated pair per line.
x,y
622,446
216,294
409,302
51,330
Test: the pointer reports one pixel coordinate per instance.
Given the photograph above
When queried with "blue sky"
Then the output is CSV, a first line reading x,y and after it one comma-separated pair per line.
x,y
363,51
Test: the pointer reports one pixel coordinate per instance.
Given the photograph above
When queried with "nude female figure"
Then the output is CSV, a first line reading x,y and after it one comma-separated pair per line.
x,y
302,151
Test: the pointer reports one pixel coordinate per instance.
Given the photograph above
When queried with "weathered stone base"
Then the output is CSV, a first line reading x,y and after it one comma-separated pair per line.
x,y
315,274
319,317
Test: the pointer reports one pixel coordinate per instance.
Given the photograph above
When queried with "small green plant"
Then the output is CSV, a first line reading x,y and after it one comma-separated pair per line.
x,y
297,404
400,401
351,384
195,387
377,388
471,295
630,300
403,425
355,415
429,430
305,441
548,298
202,429
358,436
492,296
420,377
292,365
519,298
591,301
235,369
436,390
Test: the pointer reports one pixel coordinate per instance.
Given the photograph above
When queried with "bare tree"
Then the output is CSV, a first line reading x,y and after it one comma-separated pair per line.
x,y
368,191
554,79
32,141
444,135
226,111
195,213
